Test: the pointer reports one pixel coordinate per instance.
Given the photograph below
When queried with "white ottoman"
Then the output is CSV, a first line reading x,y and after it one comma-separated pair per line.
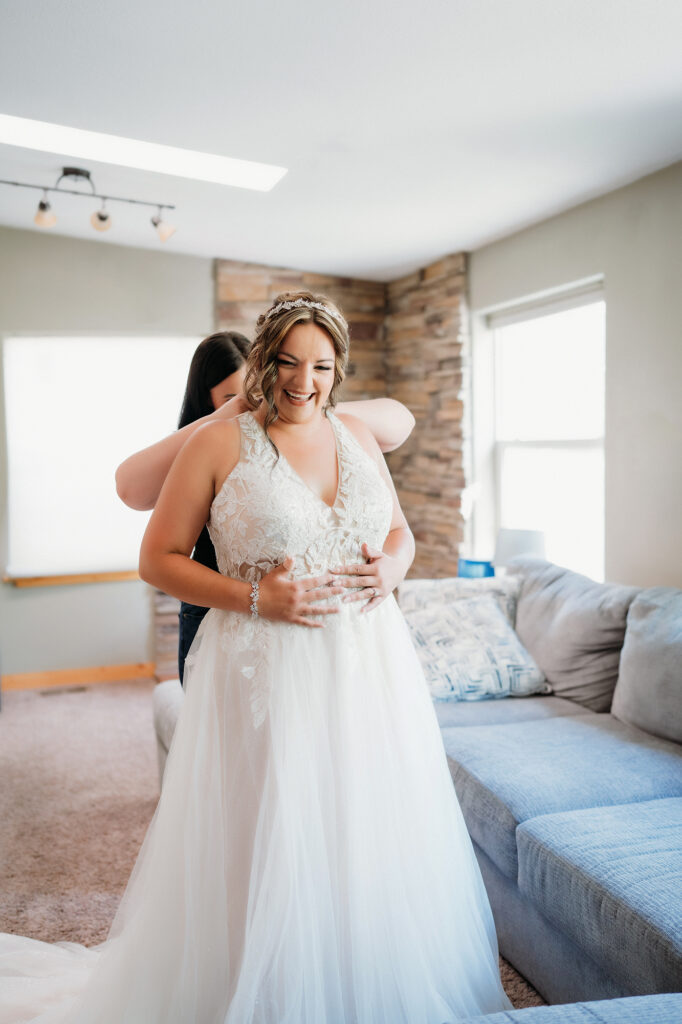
x,y
167,701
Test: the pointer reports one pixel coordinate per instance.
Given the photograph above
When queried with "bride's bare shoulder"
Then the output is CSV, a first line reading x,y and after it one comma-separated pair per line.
x,y
215,444
215,447
216,434
361,432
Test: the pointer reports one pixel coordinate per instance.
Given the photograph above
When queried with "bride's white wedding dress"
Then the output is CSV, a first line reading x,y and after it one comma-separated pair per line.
x,y
308,862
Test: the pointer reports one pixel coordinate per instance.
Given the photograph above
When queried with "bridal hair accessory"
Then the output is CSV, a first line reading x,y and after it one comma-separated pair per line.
x,y
292,303
254,600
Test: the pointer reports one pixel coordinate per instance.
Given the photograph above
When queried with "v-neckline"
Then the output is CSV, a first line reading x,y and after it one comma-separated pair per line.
x,y
294,473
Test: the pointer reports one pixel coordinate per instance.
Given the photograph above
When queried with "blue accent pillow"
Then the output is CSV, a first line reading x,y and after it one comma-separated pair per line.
x,y
469,651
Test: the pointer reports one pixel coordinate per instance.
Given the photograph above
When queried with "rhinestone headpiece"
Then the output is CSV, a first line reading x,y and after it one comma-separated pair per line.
x,y
291,304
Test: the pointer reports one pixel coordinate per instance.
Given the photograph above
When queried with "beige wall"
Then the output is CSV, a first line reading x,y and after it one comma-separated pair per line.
x,y
52,283
632,236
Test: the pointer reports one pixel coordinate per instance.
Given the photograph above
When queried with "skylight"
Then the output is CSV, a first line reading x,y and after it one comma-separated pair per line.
x,y
144,156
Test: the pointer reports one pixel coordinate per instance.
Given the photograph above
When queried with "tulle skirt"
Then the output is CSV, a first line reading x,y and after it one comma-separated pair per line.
x,y
307,862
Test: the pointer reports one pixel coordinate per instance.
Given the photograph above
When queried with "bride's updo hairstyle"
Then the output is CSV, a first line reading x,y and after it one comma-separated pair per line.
x,y
272,328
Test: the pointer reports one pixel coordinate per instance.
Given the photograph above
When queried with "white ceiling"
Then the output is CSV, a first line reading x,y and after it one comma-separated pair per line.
x,y
408,132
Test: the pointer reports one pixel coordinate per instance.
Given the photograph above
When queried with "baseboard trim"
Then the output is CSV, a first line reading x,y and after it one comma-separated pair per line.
x,y
78,676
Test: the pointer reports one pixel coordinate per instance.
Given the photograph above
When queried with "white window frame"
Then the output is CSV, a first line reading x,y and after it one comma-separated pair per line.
x,y
482,448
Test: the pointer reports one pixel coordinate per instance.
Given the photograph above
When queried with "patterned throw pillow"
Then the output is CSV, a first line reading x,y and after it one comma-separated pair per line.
x,y
468,651
435,593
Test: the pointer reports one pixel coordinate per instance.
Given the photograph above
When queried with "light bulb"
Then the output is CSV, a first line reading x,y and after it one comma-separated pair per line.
x,y
101,220
44,217
163,230
166,230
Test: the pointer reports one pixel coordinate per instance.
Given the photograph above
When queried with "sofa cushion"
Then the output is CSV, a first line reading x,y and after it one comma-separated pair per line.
x,y
648,693
430,593
611,879
506,774
495,712
469,651
573,627
665,1008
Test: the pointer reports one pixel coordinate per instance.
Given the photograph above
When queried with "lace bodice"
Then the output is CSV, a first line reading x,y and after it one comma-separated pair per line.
x,y
265,511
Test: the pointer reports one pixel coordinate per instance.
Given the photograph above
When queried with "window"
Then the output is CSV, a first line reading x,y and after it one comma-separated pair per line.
x,y
75,408
547,439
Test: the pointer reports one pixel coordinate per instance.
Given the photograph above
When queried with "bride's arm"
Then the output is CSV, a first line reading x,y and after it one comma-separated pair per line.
x,y
181,511
390,421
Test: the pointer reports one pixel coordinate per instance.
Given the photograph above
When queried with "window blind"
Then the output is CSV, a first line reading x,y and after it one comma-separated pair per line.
x,y
75,407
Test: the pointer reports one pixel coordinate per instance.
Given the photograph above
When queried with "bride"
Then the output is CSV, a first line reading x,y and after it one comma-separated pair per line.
x,y
307,861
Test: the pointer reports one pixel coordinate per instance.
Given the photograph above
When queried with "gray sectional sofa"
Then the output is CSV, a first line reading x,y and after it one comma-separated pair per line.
x,y
659,1009
573,799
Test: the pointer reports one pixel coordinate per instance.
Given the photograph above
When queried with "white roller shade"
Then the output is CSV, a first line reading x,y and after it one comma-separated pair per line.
x,y
75,408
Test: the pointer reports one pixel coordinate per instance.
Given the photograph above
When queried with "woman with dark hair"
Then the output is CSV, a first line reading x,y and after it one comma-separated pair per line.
x,y
215,374
214,390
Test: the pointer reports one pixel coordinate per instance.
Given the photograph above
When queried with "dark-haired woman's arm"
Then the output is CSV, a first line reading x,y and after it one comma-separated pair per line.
x,y
140,478
390,421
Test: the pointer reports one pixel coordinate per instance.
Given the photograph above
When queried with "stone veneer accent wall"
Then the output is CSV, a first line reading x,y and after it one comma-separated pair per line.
x,y
425,334
407,341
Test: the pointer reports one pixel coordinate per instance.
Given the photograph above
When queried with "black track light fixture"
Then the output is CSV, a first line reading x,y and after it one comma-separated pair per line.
x,y
100,219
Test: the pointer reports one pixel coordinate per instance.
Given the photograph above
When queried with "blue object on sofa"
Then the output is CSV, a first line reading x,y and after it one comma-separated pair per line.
x,y
474,568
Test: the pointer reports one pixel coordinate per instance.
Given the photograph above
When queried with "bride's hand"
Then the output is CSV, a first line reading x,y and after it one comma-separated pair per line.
x,y
283,599
376,578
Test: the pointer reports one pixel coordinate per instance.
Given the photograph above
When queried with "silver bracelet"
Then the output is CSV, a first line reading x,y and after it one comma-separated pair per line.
x,y
254,599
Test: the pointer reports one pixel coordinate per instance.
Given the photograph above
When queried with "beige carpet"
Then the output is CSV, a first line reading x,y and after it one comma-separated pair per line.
x,y
79,787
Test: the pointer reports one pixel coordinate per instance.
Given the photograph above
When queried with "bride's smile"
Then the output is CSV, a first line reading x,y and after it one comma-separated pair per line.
x,y
305,374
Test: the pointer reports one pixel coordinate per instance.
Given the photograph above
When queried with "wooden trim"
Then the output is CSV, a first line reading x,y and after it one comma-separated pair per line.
x,y
81,577
78,676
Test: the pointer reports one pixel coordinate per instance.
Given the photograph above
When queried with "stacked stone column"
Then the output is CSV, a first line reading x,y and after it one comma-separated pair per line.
x,y
426,328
